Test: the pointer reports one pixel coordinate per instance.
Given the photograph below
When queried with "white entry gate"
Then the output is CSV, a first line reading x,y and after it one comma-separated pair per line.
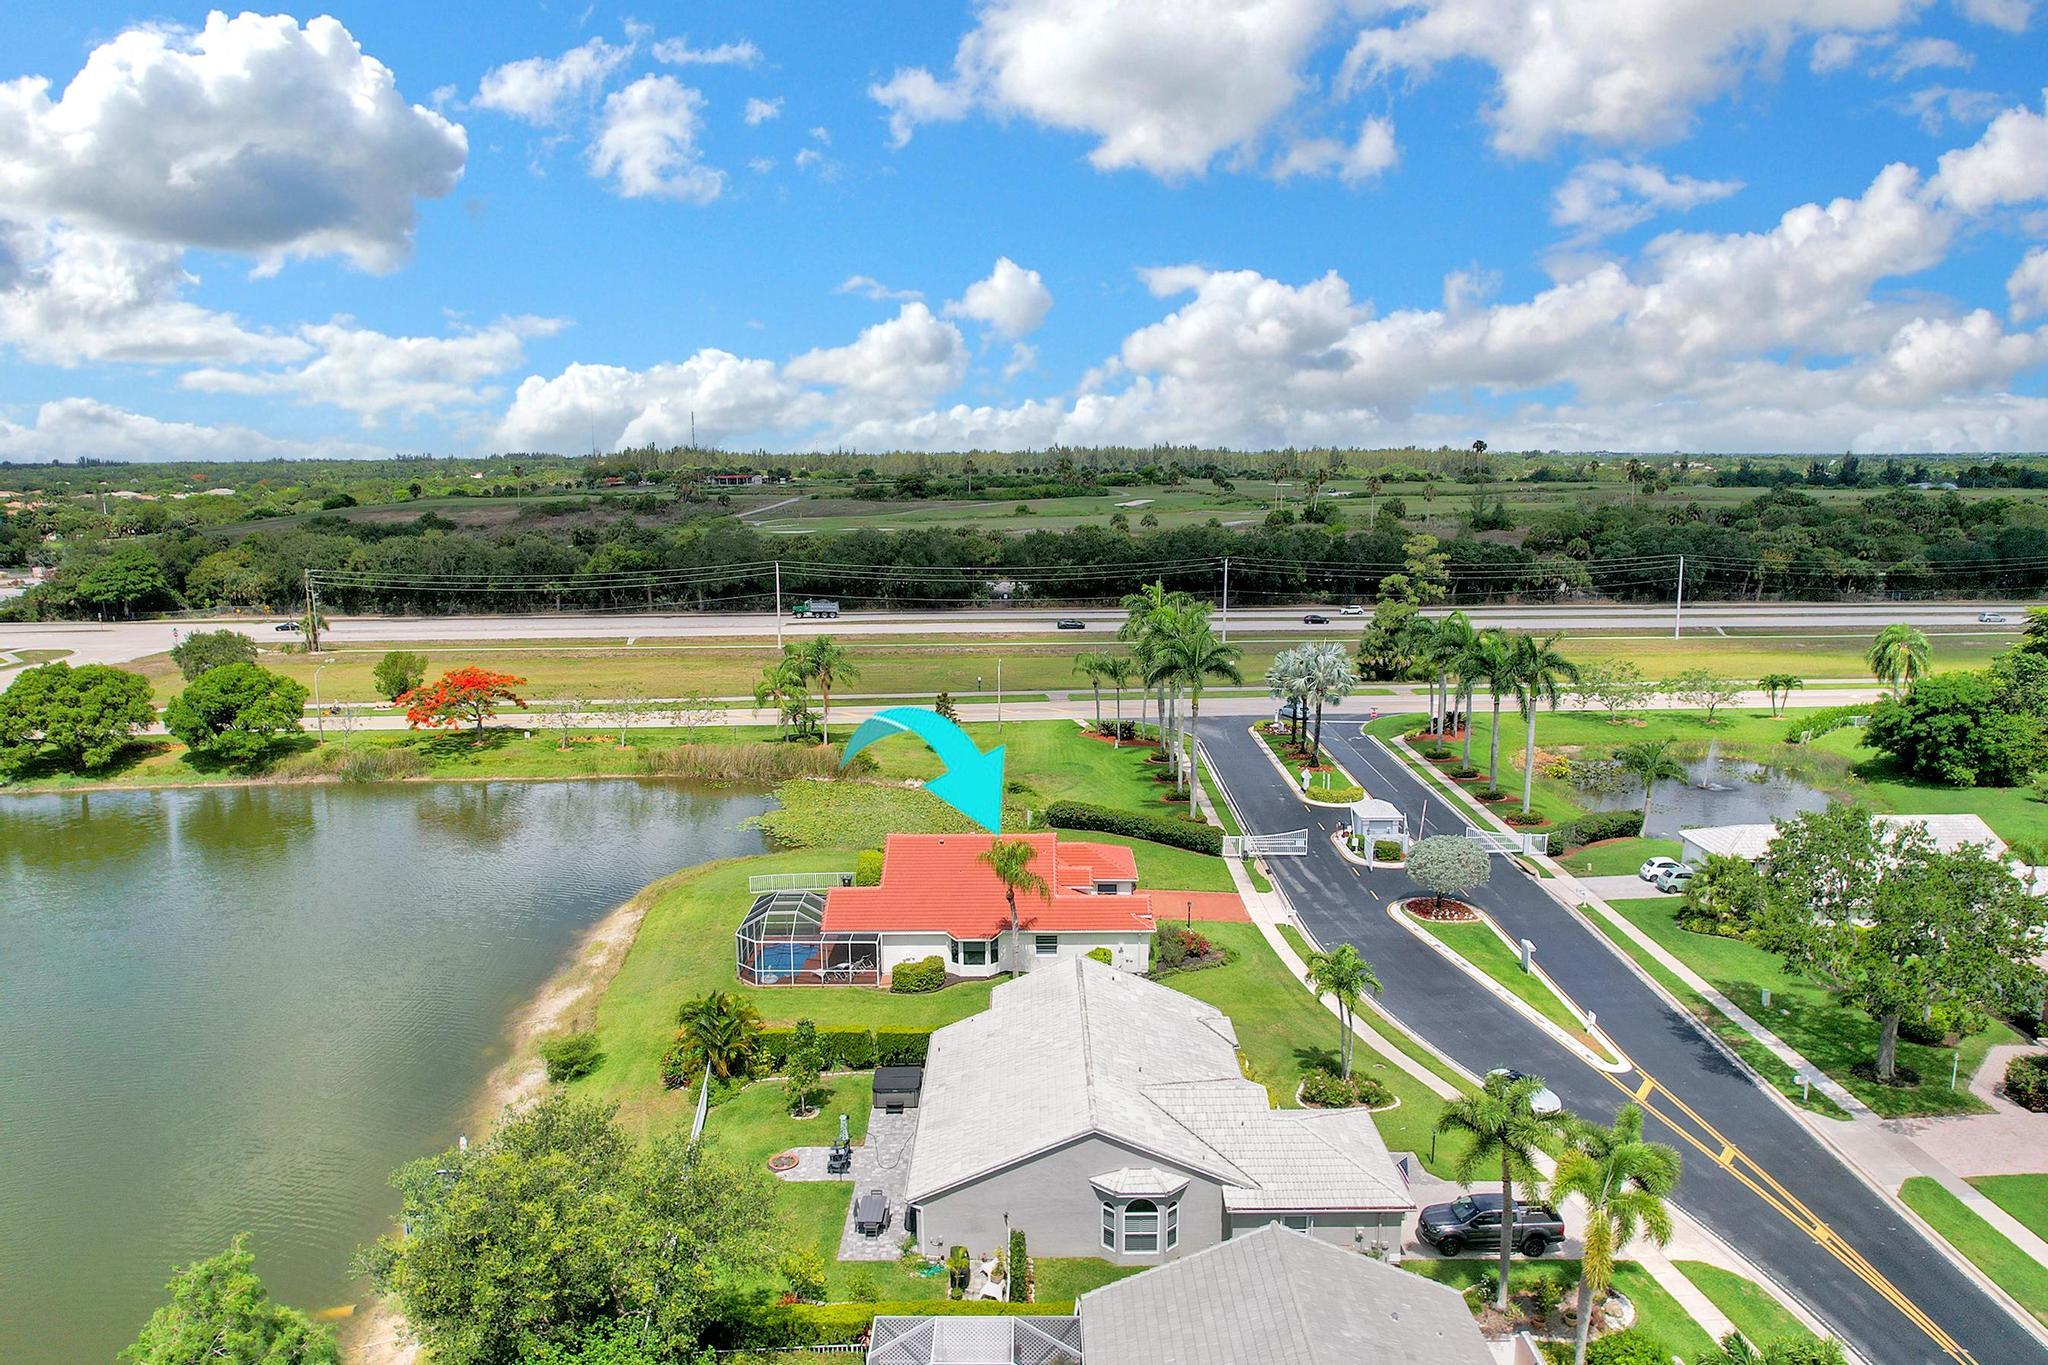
x,y
1293,844
1494,842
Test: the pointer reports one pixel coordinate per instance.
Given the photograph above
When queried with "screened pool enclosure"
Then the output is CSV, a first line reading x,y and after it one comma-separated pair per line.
x,y
782,942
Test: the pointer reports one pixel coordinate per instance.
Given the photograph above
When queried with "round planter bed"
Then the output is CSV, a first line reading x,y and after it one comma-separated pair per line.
x,y
1448,911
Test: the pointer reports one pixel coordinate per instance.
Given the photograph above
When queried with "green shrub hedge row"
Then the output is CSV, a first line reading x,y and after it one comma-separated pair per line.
x,y
848,1049
921,977
1594,826
1826,719
798,1325
2026,1081
1135,825
1386,850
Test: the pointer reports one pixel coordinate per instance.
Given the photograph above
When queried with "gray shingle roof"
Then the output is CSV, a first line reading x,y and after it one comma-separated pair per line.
x,y
1278,1297
1081,1048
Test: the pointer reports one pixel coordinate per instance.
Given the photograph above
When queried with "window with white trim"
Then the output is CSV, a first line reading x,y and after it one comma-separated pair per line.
x,y
1108,1225
1141,1226
1046,945
975,952
1173,1225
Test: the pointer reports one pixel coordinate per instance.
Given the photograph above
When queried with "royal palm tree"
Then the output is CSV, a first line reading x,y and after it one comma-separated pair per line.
x,y
1647,761
720,1032
1493,661
1449,638
1624,1181
1778,687
1140,608
1089,666
1344,976
1010,860
1330,677
1191,653
1119,671
1503,1128
825,661
1540,675
1898,657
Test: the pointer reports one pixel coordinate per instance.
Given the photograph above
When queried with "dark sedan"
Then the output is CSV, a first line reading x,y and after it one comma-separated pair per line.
x,y
1315,618
1070,623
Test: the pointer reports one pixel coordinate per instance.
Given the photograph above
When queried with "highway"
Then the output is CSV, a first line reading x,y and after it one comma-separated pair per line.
x,y
1341,902
121,642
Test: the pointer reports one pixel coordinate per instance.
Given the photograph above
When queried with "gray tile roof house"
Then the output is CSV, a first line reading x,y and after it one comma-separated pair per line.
x,y
1107,1115
1270,1297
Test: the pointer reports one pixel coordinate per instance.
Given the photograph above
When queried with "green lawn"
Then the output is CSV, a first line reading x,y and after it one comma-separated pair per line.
x,y
2025,1197
1065,1278
1753,1309
1330,783
1754,1054
1618,857
2011,1269
1656,1311
1833,1036
1479,945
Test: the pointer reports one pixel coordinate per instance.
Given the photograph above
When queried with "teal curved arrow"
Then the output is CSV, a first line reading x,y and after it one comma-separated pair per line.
x,y
973,781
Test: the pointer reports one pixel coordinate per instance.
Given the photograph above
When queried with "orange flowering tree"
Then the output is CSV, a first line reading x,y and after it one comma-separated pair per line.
x,y
464,696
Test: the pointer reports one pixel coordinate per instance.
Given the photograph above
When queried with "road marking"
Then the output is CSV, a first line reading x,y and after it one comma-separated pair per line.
x,y
1702,1136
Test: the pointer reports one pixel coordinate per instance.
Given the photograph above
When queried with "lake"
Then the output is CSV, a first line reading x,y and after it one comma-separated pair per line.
x,y
1716,791
239,1009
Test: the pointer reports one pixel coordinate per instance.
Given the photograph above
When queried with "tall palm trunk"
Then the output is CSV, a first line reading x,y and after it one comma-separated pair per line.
x,y
1440,698
1098,706
1465,707
1318,748
1194,751
1507,1230
1493,758
1117,739
1529,762
1585,1321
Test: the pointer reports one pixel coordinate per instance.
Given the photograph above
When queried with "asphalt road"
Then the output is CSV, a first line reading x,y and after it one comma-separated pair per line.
x,y
119,642
1340,902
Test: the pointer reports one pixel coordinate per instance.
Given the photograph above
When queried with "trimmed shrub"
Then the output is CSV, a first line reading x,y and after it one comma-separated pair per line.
x,y
1102,955
1595,826
902,1046
867,867
1461,771
1629,1346
1020,1267
1132,825
1489,792
847,1049
2026,1081
571,1056
919,977
1325,1089
1386,850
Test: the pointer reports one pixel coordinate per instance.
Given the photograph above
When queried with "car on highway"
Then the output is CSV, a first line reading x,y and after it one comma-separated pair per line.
x,y
287,625
1674,878
1315,618
1474,1220
1070,623
1650,870
1544,1103
1353,610
1991,618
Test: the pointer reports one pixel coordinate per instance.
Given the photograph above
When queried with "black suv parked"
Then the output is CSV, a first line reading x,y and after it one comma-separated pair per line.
x,y
1473,1220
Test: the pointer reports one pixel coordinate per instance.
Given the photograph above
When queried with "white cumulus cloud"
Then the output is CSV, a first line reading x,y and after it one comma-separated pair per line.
x,y
1606,196
2008,165
74,428
761,111
1362,159
868,287
1011,299
647,144
678,52
539,89
2027,286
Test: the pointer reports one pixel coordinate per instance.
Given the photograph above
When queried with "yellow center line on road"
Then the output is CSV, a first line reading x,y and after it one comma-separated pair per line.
x,y
1703,1137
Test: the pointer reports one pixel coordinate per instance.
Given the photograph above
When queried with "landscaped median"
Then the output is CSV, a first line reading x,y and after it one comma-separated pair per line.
x,y
1326,782
1468,937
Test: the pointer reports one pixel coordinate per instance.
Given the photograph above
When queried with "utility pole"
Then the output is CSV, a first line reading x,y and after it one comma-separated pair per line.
x,y
1226,599
1678,609
778,604
999,696
312,615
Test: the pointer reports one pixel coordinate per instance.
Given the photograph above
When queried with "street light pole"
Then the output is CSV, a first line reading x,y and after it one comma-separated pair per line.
x,y
1678,610
778,604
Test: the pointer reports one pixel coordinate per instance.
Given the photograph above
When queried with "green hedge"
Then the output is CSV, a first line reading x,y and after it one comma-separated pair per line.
x,y
1594,826
1824,720
921,977
2026,1081
1156,829
849,1049
867,867
1386,850
797,1325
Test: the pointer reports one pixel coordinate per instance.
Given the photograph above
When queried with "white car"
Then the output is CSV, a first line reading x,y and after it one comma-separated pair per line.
x,y
1543,1104
1675,878
1353,610
1654,868
1990,618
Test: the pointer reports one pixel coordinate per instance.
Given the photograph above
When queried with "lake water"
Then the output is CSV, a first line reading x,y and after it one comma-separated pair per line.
x,y
240,1009
1716,791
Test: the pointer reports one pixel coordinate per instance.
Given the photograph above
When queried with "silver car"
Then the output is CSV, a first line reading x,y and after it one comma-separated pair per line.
x,y
1675,878
1544,1103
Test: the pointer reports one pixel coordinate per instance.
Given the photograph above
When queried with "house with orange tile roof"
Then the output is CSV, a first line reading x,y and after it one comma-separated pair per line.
x,y
936,898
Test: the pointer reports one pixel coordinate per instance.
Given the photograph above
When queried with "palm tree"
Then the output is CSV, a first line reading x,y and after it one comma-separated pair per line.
x,y
1330,677
780,682
1898,657
1540,672
1493,662
1010,860
1503,1127
1647,761
719,1033
1140,608
1624,1181
1287,680
1119,671
1191,653
825,662
1449,639
1778,687
1089,666
1345,977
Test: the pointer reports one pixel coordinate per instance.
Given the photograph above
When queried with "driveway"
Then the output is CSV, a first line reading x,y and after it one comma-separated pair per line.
x,y
1340,902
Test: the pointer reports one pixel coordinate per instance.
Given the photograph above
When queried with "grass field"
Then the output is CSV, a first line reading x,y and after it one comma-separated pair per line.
x,y
2011,1269
1657,1313
2025,1197
1617,857
1832,1035
1753,1309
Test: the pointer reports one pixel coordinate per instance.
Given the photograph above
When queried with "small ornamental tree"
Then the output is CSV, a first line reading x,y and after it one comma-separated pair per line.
x,y
398,673
81,716
466,696
204,649
233,712
1961,730
219,1310
1447,865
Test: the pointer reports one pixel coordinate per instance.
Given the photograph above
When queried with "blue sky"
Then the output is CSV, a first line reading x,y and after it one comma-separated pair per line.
x,y
1620,224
